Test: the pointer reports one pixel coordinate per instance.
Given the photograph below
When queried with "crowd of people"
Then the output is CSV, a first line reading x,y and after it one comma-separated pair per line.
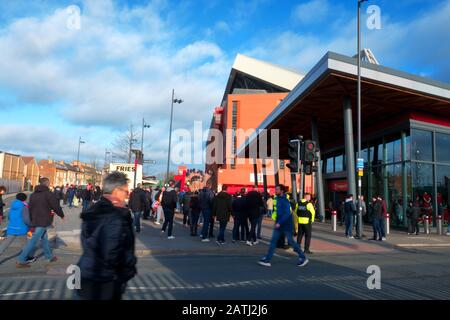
x,y
111,216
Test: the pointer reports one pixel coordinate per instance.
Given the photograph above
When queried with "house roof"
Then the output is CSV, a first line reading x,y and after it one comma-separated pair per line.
x,y
27,160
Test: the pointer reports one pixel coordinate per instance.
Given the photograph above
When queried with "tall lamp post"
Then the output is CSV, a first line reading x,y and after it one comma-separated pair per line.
x,y
78,156
144,126
360,226
179,101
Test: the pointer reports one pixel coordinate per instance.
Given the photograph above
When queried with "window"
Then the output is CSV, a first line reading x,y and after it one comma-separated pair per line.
x,y
442,147
443,186
330,165
422,145
339,163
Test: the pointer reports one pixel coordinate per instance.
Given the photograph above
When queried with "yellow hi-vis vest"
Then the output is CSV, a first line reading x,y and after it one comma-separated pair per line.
x,y
274,212
305,211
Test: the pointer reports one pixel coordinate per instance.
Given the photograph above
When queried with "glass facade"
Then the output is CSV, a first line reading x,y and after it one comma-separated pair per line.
x,y
413,165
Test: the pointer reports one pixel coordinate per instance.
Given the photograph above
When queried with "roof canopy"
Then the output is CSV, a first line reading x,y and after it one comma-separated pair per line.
x,y
386,94
252,74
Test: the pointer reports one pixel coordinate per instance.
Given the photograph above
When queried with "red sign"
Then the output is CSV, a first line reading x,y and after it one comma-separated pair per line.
x,y
338,186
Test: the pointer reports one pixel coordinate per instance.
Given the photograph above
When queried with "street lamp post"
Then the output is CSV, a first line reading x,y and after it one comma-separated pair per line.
x,y
144,126
359,119
170,131
78,156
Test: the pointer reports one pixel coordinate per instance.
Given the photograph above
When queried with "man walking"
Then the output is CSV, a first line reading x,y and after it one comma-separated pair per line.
x,y
138,205
43,205
306,214
349,211
413,213
283,225
222,211
169,203
206,198
108,261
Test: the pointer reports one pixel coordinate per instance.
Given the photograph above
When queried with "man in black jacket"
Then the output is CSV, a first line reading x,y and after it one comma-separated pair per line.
x,y
254,203
108,261
138,205
169,203
350,212
148,203
222,211
43,206
206,198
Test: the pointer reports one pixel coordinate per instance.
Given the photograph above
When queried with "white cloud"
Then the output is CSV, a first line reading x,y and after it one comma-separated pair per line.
x,y
121,65
420,44
311,12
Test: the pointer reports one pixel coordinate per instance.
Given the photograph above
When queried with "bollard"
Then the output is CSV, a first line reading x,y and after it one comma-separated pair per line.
x,y
426,224
334,220
388,224
439,225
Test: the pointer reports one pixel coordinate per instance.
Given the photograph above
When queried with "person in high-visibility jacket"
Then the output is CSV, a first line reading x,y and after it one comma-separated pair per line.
x,y
306,215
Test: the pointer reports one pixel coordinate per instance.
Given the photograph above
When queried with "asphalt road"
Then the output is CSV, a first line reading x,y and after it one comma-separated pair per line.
x,y
417,276
185,268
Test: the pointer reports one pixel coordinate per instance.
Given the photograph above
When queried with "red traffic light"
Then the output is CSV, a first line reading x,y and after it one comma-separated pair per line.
x,y
310,146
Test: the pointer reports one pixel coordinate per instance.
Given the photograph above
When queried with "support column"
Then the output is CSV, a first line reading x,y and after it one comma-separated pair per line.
x,y
319,175
302,183
349,146
276,168
255,173
264,172
294,186
404,180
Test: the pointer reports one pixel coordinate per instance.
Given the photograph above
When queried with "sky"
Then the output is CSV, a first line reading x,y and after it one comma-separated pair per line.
x,y
63,77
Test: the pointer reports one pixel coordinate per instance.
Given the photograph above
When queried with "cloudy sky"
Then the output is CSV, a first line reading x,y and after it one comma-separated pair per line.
x,y
59,82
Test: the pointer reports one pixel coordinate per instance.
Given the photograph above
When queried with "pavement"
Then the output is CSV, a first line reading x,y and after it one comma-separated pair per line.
x,y
186,268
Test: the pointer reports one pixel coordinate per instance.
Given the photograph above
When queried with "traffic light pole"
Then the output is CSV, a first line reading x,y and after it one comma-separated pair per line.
x,y
302,181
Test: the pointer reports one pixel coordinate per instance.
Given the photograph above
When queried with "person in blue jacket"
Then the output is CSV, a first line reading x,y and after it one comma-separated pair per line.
x,y
283,225
19,217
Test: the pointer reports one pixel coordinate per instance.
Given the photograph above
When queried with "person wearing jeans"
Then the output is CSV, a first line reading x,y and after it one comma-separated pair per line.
x,y
42,205
137,220
168,220
259,226
222,207
40,233
206,214
138,205
169,203
350,212
206,198
254,205
283,226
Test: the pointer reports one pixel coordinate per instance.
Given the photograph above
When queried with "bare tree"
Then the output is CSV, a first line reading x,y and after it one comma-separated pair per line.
x,y
124,143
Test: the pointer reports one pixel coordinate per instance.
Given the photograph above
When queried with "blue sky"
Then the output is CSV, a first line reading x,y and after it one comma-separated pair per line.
x,y
121,65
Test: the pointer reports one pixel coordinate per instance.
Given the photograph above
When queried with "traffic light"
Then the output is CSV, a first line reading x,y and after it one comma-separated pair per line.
x,y
310,151
309,169
294,147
